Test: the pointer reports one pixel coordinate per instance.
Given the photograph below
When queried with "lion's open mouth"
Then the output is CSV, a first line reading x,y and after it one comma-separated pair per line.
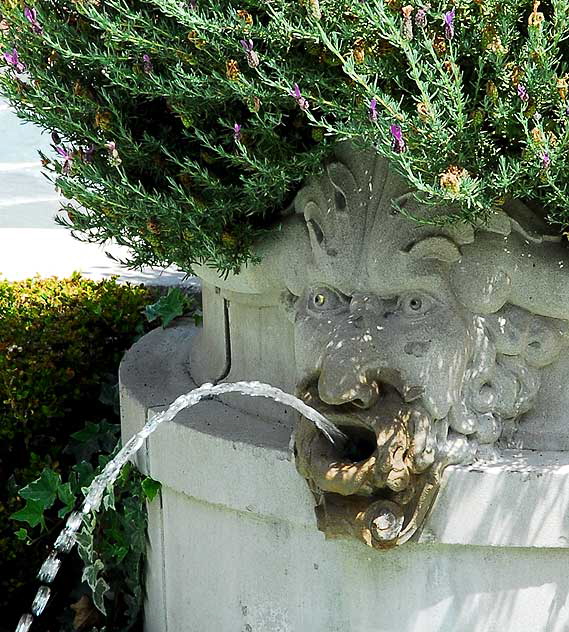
x,y
383,438
361,444
378,475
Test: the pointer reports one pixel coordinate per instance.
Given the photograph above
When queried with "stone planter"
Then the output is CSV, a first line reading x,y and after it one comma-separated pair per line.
x,y
440,353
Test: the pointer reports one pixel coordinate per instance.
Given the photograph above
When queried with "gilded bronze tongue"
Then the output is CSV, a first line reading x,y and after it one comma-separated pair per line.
x,y
380,499
379,523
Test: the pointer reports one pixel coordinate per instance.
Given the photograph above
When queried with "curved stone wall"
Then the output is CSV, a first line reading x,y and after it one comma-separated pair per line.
x,y
234,545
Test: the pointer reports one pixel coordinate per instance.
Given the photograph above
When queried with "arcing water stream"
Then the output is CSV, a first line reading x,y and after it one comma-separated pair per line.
x,y
108,476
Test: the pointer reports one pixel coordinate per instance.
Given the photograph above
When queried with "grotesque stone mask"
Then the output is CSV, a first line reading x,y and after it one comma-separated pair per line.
x,y
417,341
427,343
377,366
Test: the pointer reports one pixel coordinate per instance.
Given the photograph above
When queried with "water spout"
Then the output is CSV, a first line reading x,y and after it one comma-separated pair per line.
x,y
66,539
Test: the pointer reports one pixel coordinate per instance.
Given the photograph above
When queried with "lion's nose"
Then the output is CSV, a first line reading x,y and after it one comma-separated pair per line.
x,y
361,304
355,390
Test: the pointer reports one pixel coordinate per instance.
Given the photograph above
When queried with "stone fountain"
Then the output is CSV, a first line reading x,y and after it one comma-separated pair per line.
x,y
440,351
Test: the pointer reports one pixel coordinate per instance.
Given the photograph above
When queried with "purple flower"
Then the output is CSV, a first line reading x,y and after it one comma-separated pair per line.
x,y
67,158
448,21
147,64
297,96
32,18
252,57
523,93
193,5
421,18
398,143
372,114
545,160
237,132
13,59
55,138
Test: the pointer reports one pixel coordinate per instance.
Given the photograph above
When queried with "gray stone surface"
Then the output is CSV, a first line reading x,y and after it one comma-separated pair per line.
x,y
498,279
234,526
229,571
431,347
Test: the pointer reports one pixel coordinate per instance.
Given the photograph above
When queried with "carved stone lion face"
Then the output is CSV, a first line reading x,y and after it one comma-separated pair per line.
x,y
414,353
426,343
386,370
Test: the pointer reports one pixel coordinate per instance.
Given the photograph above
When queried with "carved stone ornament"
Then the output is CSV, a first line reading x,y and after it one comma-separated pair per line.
x,y
426,344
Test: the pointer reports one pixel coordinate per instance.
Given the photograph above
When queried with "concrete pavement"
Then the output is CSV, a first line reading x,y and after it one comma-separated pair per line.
x,y
31,243
27,252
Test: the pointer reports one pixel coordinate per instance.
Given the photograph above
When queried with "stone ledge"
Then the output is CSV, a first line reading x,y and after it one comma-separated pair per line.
x,y
227,457
521,500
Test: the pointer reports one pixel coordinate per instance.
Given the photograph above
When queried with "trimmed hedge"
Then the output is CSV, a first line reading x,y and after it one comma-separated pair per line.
x,y
61,342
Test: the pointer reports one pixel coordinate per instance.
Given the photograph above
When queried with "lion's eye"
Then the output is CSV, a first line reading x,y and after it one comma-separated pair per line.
x,y
325,299
415,304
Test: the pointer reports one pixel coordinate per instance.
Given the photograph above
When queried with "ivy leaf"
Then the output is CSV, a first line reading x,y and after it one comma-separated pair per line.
x,y
150,487
39,496
21,534
109,498
67,497
167,307
99,592
98,585
92,439
91,573
119,553
88,433
43,490
32,513
84,541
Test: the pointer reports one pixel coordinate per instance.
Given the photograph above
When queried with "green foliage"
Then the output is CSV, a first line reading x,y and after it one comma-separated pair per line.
x,y
58,340
39,496
150,487
60,345
111,543
183,136
170,306
112,546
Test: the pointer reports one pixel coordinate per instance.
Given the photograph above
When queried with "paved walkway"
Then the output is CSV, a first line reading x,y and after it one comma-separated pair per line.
x,y
27,252
31,243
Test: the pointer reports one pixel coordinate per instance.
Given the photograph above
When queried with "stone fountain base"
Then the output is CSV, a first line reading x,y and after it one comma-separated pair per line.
x,y
233,543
